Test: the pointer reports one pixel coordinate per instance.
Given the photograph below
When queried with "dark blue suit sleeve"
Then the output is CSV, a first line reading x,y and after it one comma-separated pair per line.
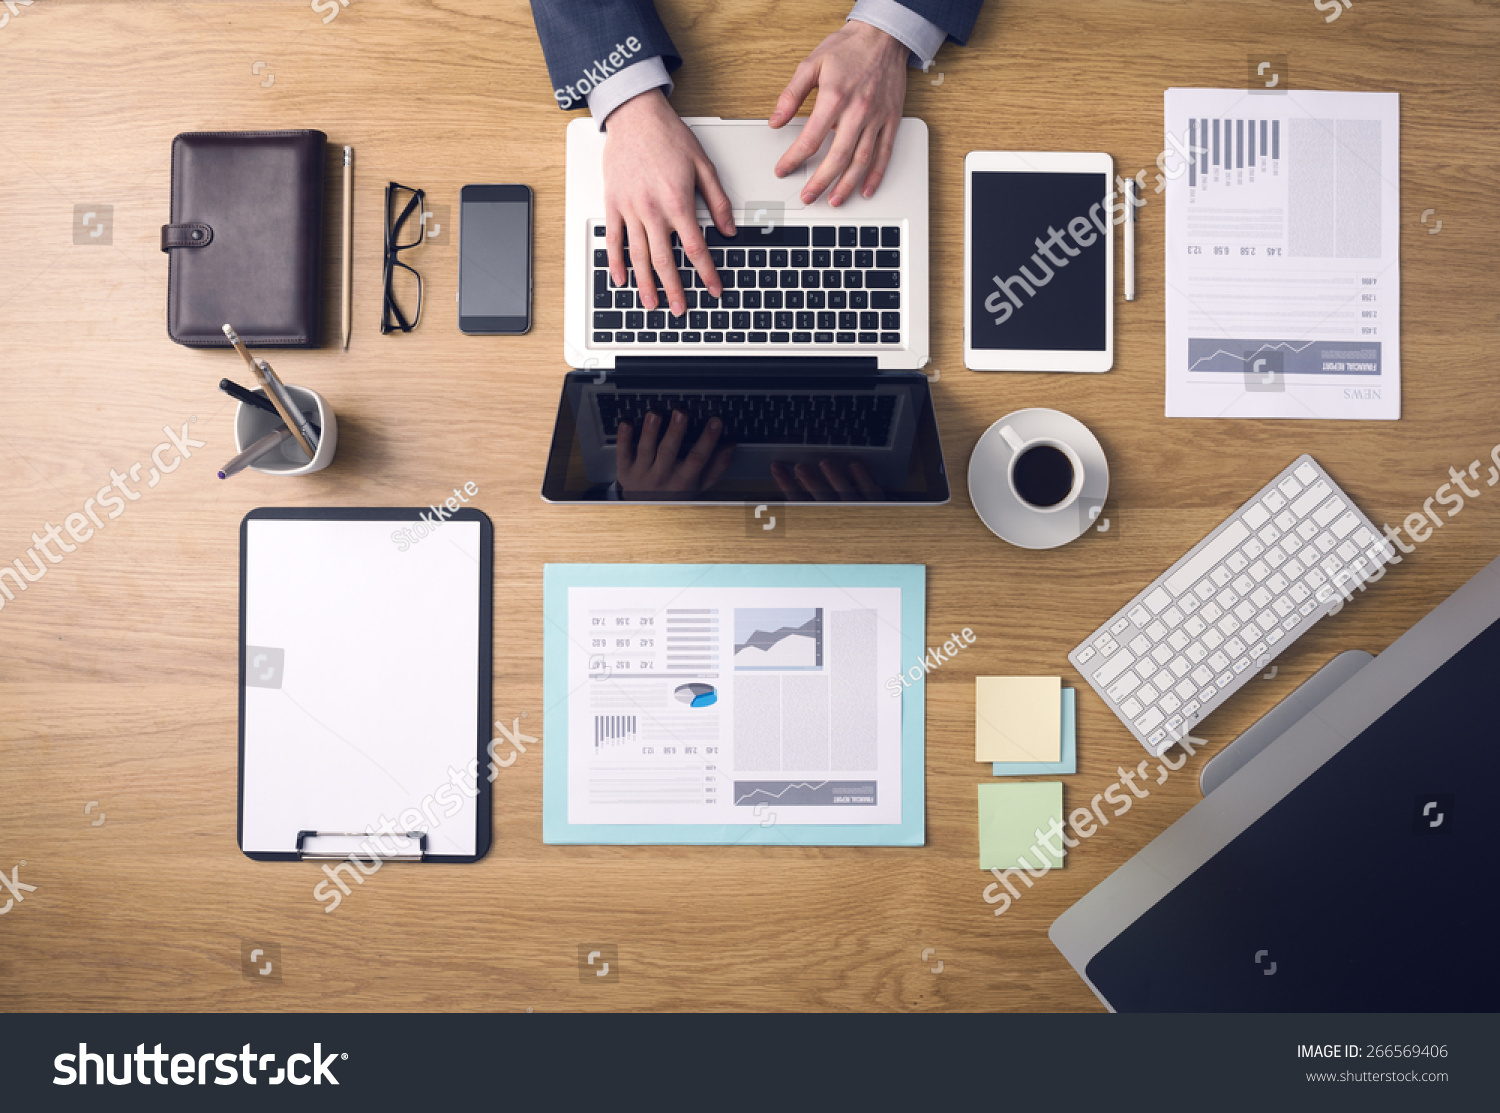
x,y
578,37
954,16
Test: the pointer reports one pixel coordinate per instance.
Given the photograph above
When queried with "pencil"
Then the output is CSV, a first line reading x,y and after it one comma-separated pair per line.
x,y
291,413
260,367
348,241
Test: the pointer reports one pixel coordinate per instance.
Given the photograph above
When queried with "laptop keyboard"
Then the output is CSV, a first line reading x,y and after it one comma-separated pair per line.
x,y
793,418
788,285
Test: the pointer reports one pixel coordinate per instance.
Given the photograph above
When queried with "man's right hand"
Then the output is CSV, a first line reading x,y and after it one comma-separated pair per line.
x,y
652,165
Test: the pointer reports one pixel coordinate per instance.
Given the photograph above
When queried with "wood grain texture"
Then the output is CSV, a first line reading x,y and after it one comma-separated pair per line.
x,y
118,668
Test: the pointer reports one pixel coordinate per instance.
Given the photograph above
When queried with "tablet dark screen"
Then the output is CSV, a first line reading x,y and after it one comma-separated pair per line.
x,y
1037,278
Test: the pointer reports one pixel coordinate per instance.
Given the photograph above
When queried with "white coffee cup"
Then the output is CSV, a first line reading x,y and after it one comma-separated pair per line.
x,y
1021,449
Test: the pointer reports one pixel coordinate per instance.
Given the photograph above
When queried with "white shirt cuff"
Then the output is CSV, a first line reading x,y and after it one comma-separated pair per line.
x,y
632,81
918,35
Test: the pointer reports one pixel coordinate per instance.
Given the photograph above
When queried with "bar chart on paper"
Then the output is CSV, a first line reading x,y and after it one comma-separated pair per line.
x,y
1283,290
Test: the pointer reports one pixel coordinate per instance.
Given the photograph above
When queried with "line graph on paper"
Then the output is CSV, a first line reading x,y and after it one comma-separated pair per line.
x,y
804,793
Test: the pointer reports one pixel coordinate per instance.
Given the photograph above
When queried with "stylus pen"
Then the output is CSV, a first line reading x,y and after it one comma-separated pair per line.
x,y
1130,239
348,244
253,453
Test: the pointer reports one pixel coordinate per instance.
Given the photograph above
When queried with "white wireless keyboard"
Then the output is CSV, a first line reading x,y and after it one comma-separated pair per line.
x,y
1225,610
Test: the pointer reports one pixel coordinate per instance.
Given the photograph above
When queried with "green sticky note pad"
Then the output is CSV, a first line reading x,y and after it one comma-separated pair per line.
x,y
1009,817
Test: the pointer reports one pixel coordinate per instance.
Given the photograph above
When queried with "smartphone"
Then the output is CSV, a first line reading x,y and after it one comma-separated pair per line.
x,y
494,259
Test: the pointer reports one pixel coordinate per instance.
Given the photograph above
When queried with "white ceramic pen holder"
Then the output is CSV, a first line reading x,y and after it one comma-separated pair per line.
x,y
251,423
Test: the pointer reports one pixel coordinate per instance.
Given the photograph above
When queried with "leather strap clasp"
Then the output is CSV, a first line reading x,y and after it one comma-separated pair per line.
x,y
185,235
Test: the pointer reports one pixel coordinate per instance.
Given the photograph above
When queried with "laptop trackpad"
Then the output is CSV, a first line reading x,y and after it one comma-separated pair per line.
x,y
745,155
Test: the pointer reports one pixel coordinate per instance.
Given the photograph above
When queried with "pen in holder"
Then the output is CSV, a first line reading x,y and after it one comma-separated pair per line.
x,y
251,423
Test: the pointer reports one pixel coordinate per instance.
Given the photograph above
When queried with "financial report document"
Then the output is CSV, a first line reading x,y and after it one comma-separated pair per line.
x,y
694,705
1283,279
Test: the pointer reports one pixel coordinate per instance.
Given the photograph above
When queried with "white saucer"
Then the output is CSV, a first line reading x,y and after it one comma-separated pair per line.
x,y
1008,517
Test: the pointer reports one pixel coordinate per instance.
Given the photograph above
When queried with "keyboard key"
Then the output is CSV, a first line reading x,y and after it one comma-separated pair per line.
x,y
1290,486
837,299
771,235
1330,510
848,236
780,337
869,237
609,319
823,338
1305,472
846,338
624,337
1309,500
1139,615
1158,600
890,321
824,236
886,280
713,337
833,280
890,237
801,338
890,338
692,338
843,259
601,337
864,259
758,338
888,258
599,231
853,280
868,338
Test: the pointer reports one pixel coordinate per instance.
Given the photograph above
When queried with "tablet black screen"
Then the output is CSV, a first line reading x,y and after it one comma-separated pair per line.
x,y
1038,245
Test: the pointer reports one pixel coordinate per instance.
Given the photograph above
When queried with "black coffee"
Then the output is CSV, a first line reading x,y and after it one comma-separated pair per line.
x,y
1043,475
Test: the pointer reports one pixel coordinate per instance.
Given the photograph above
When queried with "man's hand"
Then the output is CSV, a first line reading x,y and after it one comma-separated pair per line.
x,y
860,74
651,466
830,481
652,163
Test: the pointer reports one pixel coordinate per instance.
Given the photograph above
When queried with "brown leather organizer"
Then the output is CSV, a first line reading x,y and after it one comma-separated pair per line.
x,y
245,241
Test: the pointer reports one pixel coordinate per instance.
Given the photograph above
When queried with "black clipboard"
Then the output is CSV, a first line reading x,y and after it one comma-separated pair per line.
x,y
324,703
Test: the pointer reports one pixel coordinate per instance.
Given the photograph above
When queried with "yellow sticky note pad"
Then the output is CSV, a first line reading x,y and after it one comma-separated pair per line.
x,y
1017,718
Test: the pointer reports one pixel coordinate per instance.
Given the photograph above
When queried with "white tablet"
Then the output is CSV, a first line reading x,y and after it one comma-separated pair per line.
x,y
1039,261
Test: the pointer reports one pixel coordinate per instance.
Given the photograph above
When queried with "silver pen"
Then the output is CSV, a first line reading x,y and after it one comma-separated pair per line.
x,y
273,385
1130,239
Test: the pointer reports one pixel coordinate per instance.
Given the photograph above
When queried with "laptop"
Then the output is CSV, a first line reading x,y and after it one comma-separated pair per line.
x,y
811,358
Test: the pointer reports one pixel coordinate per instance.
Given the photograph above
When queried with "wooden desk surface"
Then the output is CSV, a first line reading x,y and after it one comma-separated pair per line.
x,y
118,669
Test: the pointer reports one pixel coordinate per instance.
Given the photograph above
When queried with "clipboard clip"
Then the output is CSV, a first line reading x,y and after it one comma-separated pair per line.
x,y
331,846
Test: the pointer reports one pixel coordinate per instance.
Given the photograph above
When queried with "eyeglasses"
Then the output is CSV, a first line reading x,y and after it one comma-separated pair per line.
x,y
403,206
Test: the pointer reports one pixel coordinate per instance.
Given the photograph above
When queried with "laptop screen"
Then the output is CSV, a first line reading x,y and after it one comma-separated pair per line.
x,y
745,436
